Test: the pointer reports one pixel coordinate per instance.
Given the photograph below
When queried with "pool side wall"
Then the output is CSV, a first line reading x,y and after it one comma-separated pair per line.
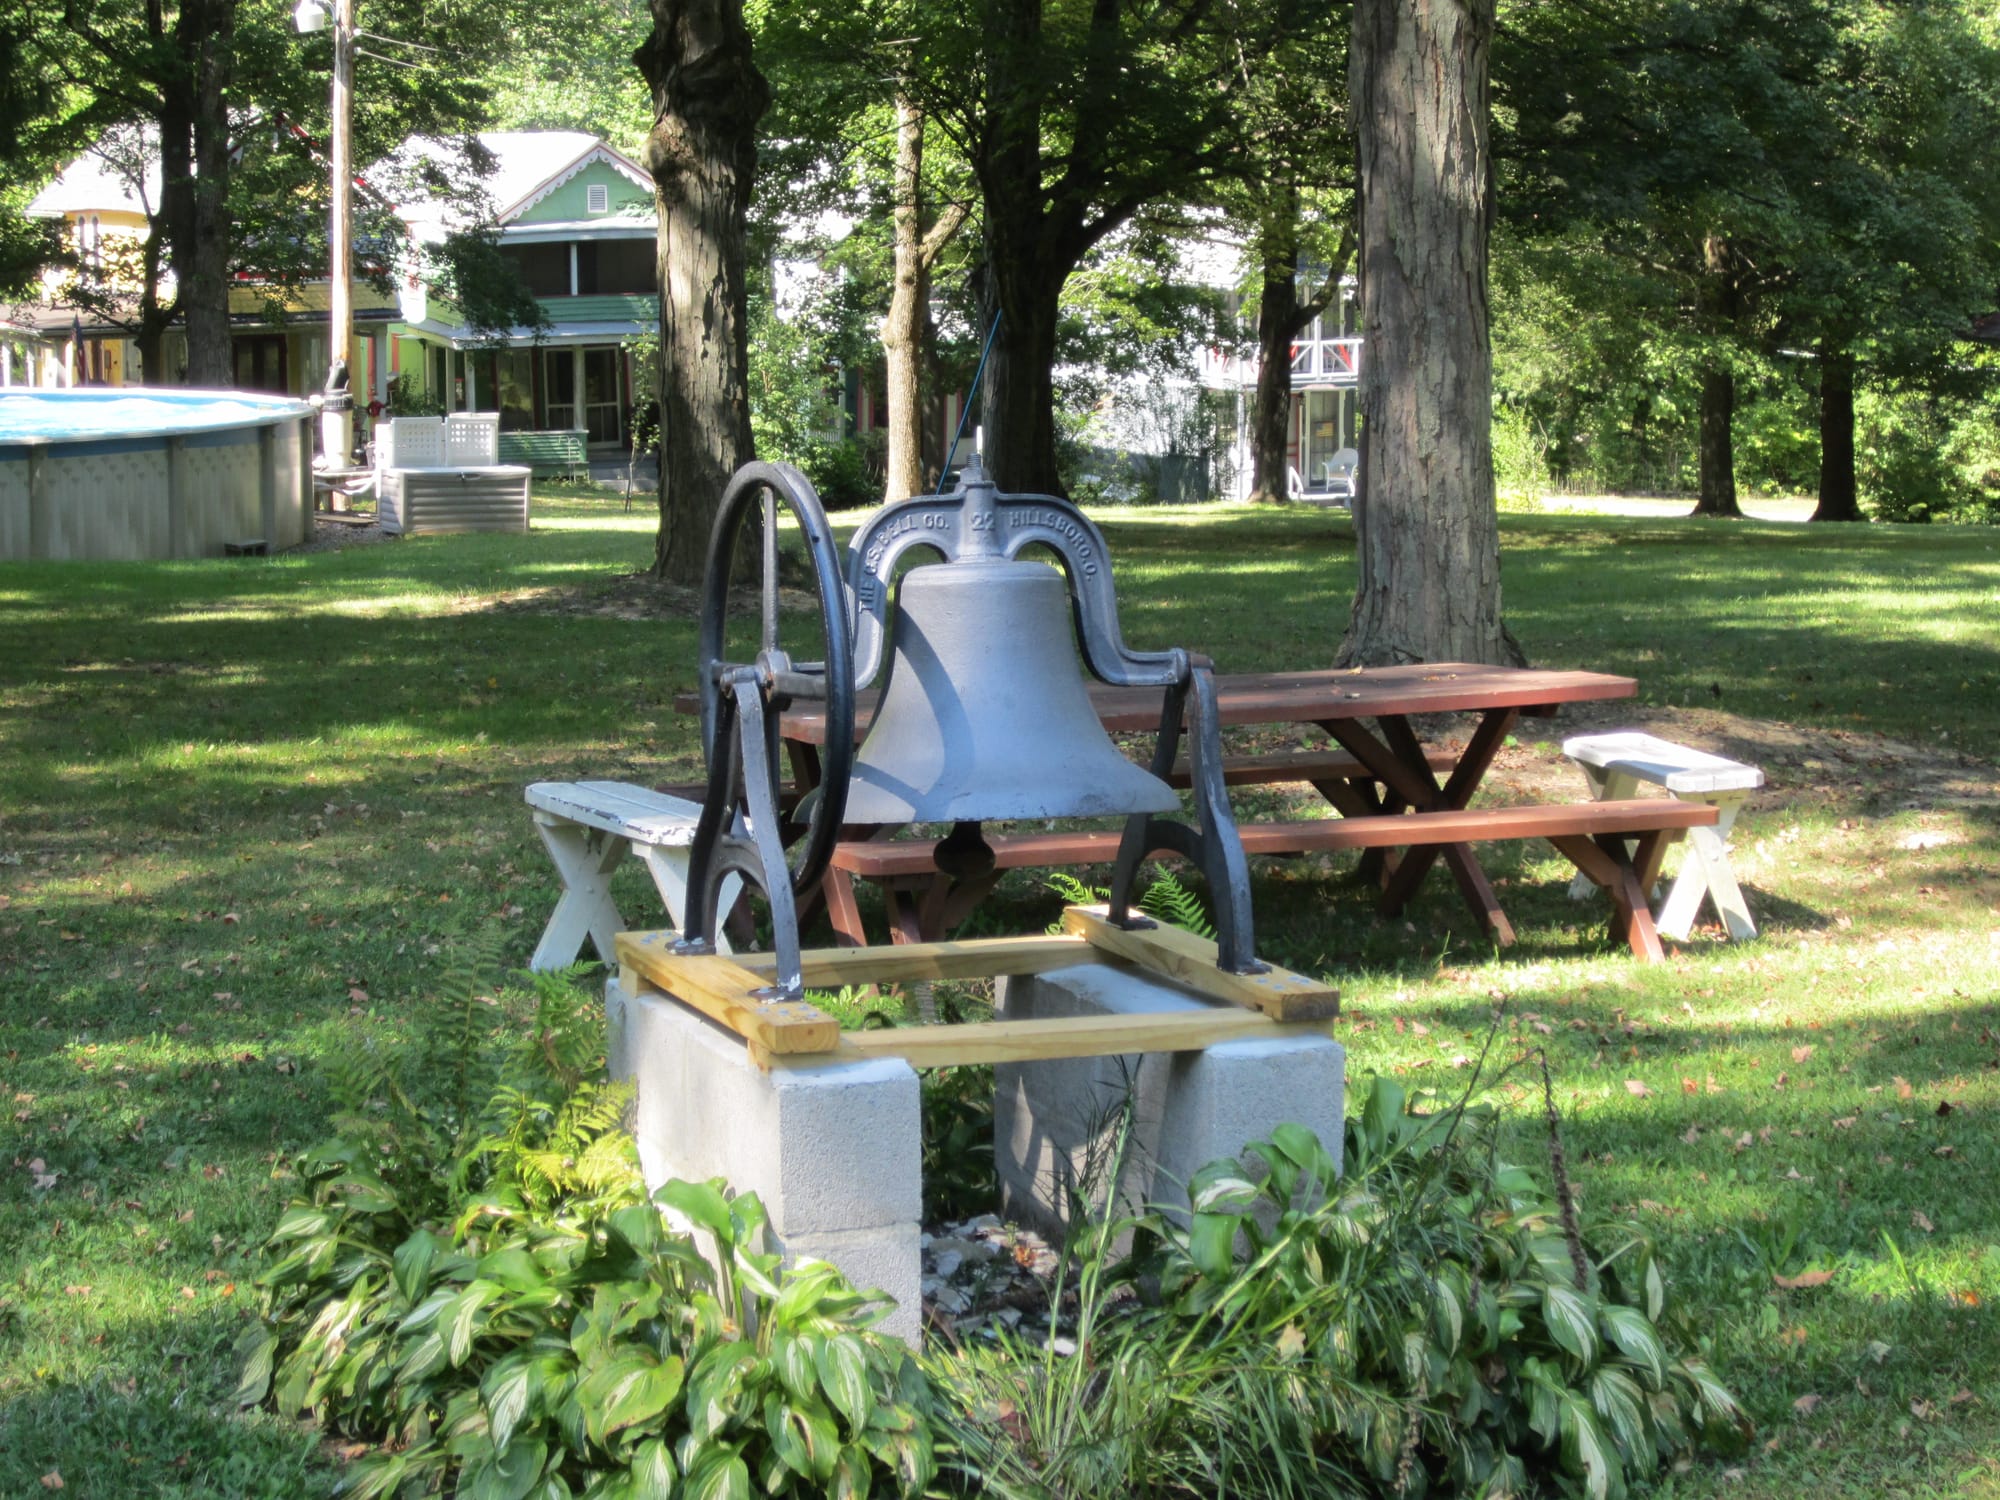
x,y
157,496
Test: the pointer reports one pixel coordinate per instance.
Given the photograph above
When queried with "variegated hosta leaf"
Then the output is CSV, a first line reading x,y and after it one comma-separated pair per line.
x,y
1637,1340
1587,1453
1622,1405
1567,1315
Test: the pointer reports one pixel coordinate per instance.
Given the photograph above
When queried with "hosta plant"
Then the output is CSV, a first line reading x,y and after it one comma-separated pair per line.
x,y
533,1326
1415,1322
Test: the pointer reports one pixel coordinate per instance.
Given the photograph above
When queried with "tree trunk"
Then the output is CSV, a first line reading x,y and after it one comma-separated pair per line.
x,y
1838,498
702,153
201,259
1017,395
1277,326
1426,526
1716,455
909,303
1717,452
906,331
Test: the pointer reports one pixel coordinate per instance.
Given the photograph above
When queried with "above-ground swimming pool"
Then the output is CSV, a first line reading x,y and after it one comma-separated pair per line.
x,y
138,473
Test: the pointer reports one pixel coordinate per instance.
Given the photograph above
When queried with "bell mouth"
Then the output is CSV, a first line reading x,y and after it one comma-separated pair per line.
x,y
985,716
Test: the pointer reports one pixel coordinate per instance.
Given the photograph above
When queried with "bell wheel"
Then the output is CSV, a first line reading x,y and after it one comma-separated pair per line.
x,y
784,682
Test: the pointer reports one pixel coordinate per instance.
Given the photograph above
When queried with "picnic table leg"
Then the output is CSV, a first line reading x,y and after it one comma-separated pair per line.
x,y
1605,786
843,910
906,923
1705,871
585,858
1628,893
1401,788
1455,793
1605,861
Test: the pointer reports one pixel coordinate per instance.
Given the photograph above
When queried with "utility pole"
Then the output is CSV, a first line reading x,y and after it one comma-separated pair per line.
x,y
337,414
337,426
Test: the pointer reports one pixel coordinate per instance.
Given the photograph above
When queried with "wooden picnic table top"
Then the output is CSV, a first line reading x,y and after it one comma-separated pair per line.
x,y
1313,697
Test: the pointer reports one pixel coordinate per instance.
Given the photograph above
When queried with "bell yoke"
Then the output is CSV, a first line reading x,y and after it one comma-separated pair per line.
x,y
983,714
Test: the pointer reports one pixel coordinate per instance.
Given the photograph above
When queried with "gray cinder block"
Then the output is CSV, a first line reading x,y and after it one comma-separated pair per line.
x,y
832,1148
1054,1121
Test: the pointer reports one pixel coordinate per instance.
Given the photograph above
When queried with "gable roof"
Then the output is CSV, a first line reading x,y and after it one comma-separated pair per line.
x,y
531,164
103,179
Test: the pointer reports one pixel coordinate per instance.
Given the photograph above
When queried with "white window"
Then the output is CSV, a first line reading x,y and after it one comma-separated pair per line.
x,y
597,199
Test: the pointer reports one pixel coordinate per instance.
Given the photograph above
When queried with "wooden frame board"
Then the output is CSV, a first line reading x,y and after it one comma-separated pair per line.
x,y
733,991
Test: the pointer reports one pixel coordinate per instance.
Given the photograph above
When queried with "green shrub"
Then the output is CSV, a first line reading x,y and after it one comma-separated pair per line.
x,y
494,1297
1412,1323
959,1175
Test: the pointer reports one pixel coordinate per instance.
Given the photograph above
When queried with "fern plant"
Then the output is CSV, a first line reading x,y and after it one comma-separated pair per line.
x,y
1165,899
510,1316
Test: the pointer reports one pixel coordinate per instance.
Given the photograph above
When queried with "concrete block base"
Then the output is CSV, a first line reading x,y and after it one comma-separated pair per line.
x,y
832,1149
1054,1122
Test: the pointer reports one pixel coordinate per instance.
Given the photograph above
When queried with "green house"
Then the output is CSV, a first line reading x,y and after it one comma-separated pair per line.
x,y
576,220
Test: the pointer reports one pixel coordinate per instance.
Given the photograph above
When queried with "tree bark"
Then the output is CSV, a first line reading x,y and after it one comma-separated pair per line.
x,y
202,256
1716,453
1277,325
702,154
1022,281
1426,524
1017,397
1839,499
905,329
1281,318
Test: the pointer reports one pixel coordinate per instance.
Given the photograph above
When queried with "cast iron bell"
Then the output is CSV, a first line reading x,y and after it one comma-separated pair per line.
x,y
985,715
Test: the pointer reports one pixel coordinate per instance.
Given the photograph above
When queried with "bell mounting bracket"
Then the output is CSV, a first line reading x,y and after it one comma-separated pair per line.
x,y
741,831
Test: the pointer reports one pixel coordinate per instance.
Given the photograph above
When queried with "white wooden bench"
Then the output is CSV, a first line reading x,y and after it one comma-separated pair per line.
x,y
1616,763
587,827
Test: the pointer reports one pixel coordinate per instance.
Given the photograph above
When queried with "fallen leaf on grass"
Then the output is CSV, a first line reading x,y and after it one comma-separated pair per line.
x,y
1803,1280
1877,1350
1691,1135
1636,1088
52,1480
1800,1054
1945,1107
1944,1151
1903,1089
1805,1404
358,995
76,1291
1919,1220
1847,1123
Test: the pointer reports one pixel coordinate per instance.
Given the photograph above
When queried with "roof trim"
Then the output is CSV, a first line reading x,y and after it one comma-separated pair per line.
x,y
599,152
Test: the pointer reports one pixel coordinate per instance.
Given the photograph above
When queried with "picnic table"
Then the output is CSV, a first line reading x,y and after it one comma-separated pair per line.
x,y
1405,806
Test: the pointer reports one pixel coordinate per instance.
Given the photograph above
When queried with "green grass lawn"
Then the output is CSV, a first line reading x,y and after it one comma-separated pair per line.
x,y
244,802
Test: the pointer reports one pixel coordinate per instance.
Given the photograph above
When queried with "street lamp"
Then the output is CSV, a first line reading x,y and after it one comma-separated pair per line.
x,y
337,412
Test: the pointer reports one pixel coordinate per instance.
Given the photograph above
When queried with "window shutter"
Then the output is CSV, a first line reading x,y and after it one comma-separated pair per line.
x,y
597,199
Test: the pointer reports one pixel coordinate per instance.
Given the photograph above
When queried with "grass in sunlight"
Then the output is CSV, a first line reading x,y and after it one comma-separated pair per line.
x,y
244,803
